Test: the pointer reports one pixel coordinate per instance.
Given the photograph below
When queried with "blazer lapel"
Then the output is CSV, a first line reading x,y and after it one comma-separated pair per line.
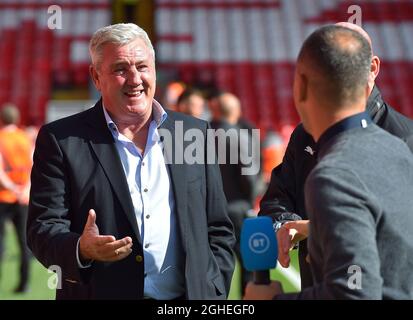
x,y
177,172
103,144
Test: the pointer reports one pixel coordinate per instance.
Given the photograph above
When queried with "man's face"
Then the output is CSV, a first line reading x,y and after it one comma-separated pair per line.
x,y
126,79
195,106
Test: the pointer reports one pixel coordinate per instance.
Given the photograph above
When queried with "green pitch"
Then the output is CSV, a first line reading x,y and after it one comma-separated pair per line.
x,y
38,289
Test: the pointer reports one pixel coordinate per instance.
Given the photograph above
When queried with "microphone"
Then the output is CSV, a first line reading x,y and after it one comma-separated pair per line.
x,y
259,250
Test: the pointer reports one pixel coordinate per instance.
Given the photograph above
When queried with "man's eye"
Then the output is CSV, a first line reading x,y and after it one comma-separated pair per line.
x,y
120,71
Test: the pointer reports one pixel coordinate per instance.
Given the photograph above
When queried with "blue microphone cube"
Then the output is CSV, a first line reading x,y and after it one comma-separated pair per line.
x,y
259,249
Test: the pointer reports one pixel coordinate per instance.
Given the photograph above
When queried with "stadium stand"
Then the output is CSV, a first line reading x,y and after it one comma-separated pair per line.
x,y
247,47
34,57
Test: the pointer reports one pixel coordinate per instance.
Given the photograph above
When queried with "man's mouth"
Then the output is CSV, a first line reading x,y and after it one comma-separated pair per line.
x,y
134,93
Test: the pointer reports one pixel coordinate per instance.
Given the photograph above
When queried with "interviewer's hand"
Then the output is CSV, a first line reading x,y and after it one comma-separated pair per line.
x,y
262,292
284,245
298,229
93,246
287,236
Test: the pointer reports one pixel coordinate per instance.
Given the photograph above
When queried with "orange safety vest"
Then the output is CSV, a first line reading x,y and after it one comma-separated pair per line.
x,y
16,150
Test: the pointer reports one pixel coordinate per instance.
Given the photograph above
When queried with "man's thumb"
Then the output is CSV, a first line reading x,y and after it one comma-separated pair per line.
x,y
91,219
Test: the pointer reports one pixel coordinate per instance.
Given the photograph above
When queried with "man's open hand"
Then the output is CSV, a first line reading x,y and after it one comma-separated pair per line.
x,y
93,246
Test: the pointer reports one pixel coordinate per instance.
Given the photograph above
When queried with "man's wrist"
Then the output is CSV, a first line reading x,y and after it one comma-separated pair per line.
x,y
277,225
81,261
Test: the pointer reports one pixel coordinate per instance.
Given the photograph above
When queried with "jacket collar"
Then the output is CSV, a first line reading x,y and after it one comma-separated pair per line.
x,y
375,104
177,168
359,120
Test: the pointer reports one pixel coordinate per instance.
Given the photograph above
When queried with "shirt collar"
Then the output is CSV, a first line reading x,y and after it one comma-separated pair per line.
x,y
359,120
158,113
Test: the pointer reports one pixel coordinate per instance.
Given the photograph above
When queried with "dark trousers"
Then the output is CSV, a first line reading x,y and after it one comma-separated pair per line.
x,y
17,214
237,211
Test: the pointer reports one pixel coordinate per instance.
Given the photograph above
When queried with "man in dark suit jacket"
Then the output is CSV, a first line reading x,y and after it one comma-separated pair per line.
x,y
240,171
120,220
284,198
359,208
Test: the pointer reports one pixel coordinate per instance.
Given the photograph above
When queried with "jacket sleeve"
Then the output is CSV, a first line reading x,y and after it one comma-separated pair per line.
x,y
249,165
409,142
279,200
343,216
220,228
48,226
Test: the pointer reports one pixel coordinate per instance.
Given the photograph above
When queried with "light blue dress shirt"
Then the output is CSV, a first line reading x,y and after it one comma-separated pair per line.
x,y
153,201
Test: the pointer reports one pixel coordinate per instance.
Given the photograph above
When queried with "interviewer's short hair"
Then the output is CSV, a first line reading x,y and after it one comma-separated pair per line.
x,y
120,34
343,58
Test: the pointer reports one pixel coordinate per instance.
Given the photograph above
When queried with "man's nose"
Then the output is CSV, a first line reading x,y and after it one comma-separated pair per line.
x,y
134,77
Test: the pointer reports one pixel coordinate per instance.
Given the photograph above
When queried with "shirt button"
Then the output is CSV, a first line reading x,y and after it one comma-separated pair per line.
x,y
139,258
143,164
147,216
145,190
147,246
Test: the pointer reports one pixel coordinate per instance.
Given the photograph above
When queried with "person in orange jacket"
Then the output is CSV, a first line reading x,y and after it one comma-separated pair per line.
x,y
15,166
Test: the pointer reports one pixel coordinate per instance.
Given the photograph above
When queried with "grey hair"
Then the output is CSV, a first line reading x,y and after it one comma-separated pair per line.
x,y
120,34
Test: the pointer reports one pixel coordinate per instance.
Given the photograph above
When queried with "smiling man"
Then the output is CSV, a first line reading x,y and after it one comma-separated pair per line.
x,y
105,207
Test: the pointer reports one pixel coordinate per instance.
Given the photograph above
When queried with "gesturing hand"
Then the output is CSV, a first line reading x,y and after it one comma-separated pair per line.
x,y
298,229
93,246
284,245
287,236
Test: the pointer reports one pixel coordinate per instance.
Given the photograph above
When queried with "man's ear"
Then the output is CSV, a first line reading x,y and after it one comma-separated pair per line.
x,y
374,70
302,87
95,76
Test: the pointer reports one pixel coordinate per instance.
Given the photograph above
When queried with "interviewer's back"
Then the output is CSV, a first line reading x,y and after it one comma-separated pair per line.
x,y
371,224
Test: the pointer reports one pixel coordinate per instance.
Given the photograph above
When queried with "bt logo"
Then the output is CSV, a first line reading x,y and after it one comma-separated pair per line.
x,y
259,242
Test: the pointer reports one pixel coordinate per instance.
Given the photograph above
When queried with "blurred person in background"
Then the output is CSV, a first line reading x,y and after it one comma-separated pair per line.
x,y
273,149
106,206
172,92
216,115
32,132
192,102
284,198
213,107
240,189
15,164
